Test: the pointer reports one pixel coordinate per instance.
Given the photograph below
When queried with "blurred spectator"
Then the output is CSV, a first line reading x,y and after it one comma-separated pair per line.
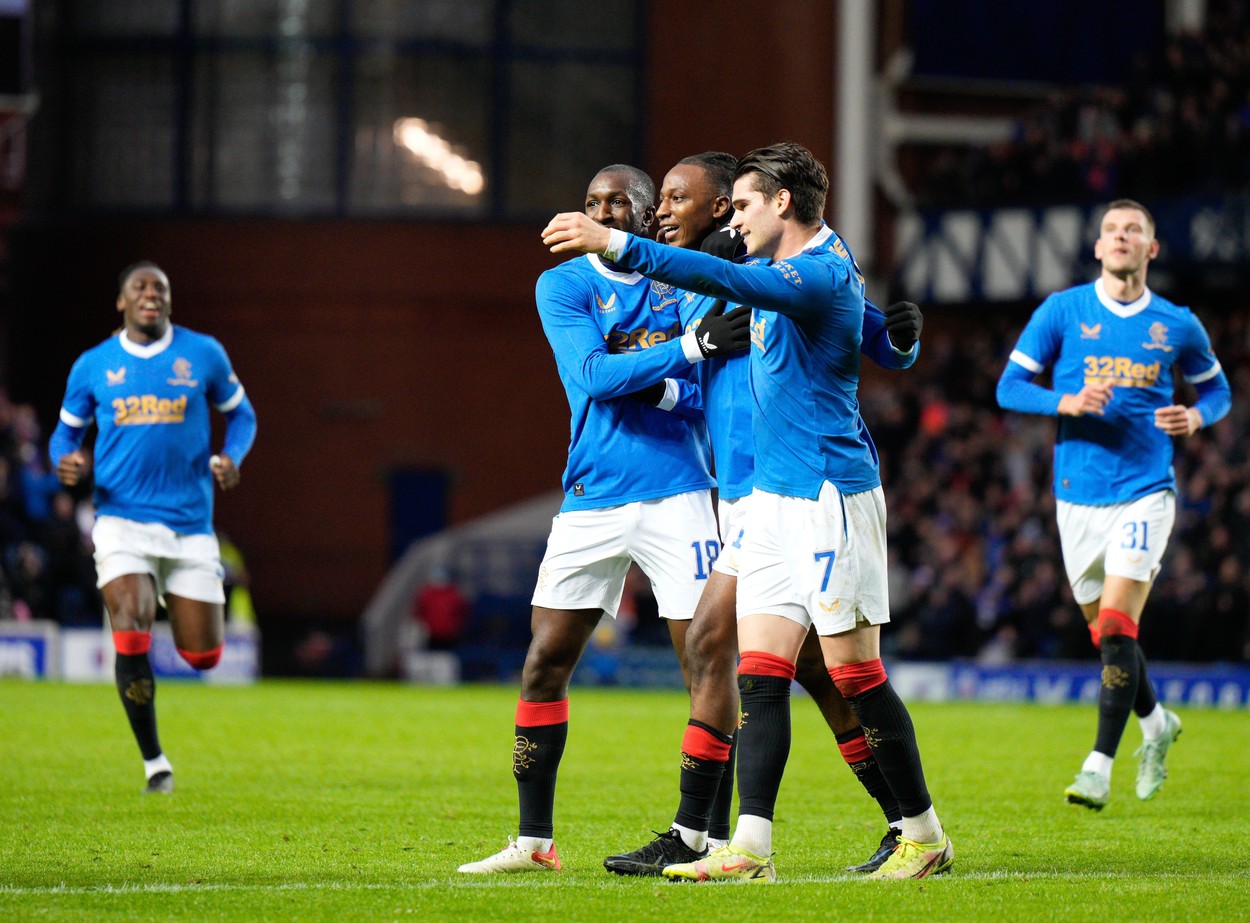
x,y
442,608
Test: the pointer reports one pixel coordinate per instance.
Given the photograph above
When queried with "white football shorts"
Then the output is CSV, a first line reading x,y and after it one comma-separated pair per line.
x,y
182,565
817,562
1121,539
673,539
732,515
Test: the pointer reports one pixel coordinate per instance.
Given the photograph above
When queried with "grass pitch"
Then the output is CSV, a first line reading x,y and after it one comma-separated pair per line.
x,y
321,801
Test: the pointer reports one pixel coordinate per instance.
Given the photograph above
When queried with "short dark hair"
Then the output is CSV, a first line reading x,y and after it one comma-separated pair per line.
x,y
1134,204
135,267
718,167
791,166
641,187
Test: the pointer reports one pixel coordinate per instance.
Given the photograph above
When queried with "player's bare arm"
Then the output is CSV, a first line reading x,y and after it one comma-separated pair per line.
x,y
1178,420
225,471
70,467
576,231
1090,399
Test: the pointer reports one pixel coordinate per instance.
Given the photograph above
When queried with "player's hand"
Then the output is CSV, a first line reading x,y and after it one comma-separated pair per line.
x,y
70,468
1090,399
1178,420
725,243
576,231
650,395
721,334
225,471
903,323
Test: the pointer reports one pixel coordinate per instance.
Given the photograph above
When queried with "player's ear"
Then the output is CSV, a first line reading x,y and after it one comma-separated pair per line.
x,y
648,216
1154,249
1098,249
783,201
121,304
720,206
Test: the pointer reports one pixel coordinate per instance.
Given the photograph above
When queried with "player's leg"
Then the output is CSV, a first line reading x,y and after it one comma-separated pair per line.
x,y
199,629
581,579
131,603
127,570
848,606
706,747
1112,593
676,527
813,675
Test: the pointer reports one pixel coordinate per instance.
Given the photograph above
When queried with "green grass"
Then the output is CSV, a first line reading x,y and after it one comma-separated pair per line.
x,y
306,801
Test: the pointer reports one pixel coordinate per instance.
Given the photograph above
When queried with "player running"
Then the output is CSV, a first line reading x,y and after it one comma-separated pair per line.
x,y
1111,346
148,390
813,549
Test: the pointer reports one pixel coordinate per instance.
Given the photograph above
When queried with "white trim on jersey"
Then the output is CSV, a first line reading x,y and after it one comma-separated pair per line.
x,y
1204,376
1118,309
235,400
629,278
70,420
669,400
146,350
1028,362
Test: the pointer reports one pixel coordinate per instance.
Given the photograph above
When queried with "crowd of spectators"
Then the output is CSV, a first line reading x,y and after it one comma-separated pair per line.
x,y
46,569
1179,125
975,565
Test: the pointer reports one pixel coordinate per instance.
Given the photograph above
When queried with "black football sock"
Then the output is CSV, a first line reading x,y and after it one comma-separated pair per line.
x,y
1120,679
137,688
719,824
764,732
1144,702
858,756
705,754
542,728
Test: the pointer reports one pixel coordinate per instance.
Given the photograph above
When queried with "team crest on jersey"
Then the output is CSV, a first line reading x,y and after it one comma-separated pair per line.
x,y
606,307
1158,338
1090,332
115,378
182,374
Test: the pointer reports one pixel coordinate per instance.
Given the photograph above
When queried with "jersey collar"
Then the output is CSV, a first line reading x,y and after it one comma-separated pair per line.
x,y
1115,307
146,350
629,278
822,235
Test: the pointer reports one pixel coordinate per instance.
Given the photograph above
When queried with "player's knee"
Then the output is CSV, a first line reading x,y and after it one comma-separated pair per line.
x,y
201,660
854,679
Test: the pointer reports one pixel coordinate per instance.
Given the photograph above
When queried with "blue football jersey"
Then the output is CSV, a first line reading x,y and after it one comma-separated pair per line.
x,y
151,405
806,333
613,334
1085,336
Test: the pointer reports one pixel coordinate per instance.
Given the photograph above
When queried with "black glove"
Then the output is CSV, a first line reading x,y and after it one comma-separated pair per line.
x,y
725,243
720,334
651,395
903,323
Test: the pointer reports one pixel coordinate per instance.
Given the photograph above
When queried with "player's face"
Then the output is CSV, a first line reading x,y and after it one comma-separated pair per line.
x,y
689,207
756,218
608,202
144,303
1126,242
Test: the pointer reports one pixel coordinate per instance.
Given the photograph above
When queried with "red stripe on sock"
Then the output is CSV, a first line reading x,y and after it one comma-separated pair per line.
x,y
703,745
201,660
1115,622
758,663
541,714
1095,635
855,751
856,678
132,642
